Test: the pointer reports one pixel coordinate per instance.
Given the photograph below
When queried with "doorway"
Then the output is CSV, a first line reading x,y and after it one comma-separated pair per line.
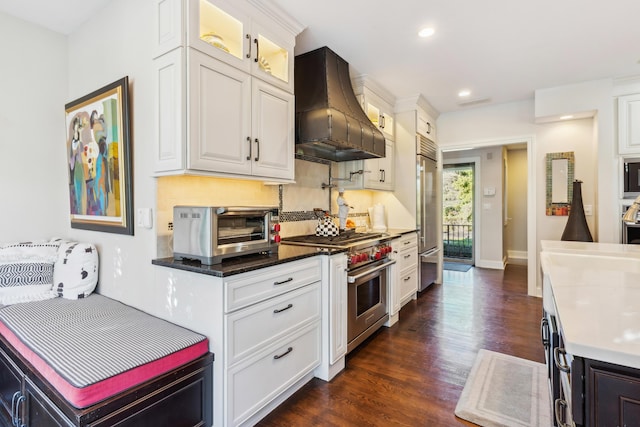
x,y
458,208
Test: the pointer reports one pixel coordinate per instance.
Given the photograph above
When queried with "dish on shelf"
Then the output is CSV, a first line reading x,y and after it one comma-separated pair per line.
x,y
264,65
214,40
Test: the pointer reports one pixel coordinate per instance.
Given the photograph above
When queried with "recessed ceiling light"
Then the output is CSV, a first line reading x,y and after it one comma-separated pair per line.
x,y
463,93
567,117
426,32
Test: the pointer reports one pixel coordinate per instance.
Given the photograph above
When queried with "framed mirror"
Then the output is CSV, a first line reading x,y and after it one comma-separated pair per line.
x,y
560,168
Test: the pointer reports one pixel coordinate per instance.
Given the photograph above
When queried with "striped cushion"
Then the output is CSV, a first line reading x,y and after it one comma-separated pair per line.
x,y
88,341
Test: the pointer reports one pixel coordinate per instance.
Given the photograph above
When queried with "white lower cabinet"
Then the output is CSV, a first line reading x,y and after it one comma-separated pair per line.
x,y
334,316
265,374
405,251
272,334
265,330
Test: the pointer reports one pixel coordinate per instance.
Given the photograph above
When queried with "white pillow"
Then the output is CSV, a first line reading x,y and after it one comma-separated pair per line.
x,y
75,273
26,271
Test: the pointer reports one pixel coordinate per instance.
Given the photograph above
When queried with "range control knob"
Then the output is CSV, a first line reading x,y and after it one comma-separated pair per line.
x,y
276,238
354,259
275,227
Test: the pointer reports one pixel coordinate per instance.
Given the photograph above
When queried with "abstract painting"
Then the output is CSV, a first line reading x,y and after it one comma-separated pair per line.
x,y
99,160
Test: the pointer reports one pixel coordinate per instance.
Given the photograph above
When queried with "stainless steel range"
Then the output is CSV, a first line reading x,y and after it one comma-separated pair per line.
x,y
367,278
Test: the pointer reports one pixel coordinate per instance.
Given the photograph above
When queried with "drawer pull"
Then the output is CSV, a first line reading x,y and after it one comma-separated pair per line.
x,y
561,406
406,279
280,356
544,332
290,279
564,367
407,256
280,310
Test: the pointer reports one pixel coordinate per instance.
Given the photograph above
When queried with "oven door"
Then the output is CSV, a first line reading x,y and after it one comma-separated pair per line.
x,y
366,301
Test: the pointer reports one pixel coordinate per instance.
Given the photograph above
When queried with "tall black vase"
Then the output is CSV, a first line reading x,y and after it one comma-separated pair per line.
x,y
577,229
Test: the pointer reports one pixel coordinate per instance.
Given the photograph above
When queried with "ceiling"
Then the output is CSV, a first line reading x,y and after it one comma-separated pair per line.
x,y
500,50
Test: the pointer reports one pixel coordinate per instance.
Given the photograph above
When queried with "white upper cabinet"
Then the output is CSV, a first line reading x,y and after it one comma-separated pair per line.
x,y
224,91
426,125
379,112
377,174
232,32
629,124
377,104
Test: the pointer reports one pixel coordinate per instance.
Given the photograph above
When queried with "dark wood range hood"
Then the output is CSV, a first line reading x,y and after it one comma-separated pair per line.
x,y
330,124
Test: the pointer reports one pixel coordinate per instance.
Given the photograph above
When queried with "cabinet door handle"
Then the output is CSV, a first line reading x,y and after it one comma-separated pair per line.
x,y
384,175
257,50
280,310
290,279
14,406
248,36
280,356
381,175
544,332
257,150
560,406
428,128
564,367
381,121
21,399
249,141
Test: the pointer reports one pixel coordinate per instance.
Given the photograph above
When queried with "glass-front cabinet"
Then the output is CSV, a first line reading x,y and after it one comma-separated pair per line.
x,y
223,74
226,33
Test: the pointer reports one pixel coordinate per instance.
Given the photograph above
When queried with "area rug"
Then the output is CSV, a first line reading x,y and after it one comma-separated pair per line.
x,y
504,390
456,266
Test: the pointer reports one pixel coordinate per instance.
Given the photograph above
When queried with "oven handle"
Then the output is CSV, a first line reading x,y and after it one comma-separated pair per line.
x,y
352,279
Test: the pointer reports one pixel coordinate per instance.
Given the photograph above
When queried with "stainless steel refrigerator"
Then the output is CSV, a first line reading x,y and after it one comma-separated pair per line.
x,y
427,211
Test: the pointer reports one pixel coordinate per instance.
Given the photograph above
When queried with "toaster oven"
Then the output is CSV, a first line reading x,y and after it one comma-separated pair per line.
x,y
210,234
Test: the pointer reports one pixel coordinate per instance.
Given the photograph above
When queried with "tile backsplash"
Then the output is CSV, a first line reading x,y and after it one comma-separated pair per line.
x,y
296,201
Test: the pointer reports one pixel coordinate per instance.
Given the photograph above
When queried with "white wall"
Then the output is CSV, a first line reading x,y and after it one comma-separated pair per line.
x,y
33,171
114,43
516,229
511,121
576,136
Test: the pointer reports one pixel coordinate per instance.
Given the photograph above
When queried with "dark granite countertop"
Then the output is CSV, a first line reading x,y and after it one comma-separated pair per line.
x,y
243,264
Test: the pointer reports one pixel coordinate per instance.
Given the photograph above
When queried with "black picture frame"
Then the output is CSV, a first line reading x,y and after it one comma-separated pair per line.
x,y
99,160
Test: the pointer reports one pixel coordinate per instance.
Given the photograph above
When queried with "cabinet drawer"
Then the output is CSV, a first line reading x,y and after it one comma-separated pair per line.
x,y
409,240
255,327
407,259
250,288
253,383
408,282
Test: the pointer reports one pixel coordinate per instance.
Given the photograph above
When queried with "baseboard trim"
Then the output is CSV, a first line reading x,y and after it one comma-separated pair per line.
x,y
517,254
495,265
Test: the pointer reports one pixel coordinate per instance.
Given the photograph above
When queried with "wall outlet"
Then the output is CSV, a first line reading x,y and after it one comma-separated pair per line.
x,y
588,210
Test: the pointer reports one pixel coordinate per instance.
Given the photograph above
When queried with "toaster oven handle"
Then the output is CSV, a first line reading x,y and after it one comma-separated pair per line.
x,y
258,209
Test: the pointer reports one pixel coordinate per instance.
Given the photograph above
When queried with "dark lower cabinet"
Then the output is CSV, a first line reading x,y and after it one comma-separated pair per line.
x,y
611,394
179,398
604,394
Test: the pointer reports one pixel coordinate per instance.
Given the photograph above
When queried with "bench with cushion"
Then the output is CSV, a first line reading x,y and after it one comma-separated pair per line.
x,y
88,360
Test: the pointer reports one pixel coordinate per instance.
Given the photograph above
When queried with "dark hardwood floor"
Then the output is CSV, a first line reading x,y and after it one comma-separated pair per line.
x,y
412,374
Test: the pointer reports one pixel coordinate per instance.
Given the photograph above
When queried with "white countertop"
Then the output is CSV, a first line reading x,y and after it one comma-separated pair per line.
x,y
594,290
